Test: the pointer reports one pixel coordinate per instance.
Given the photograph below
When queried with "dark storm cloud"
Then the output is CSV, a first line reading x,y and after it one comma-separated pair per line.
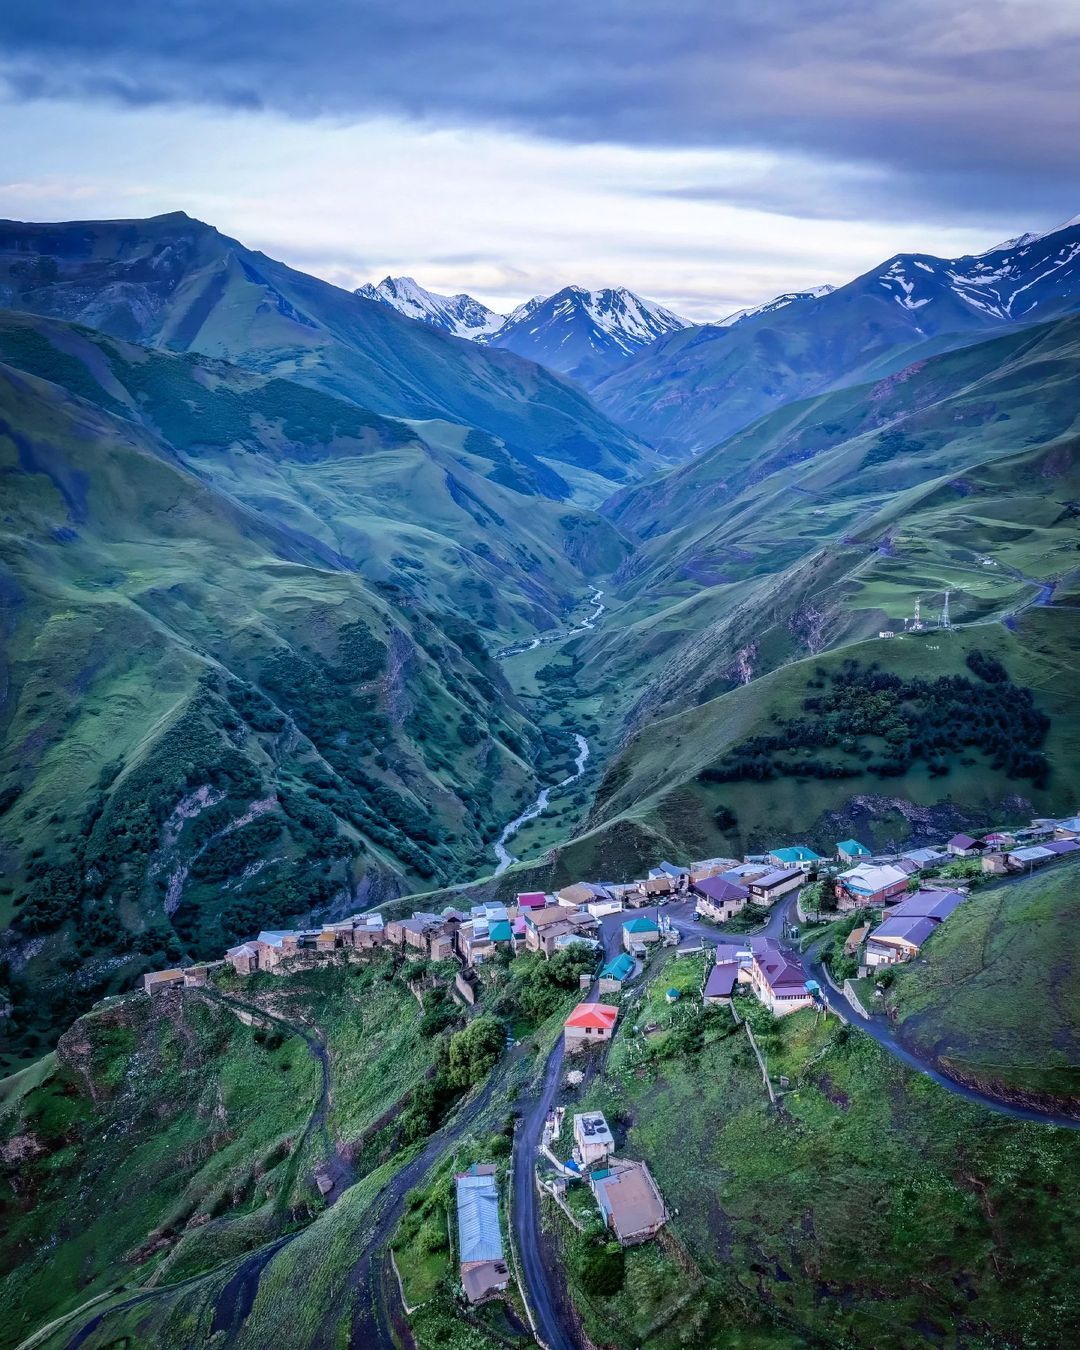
x,y
956,102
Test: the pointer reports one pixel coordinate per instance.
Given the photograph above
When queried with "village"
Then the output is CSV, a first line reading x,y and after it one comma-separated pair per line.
x,y
685,908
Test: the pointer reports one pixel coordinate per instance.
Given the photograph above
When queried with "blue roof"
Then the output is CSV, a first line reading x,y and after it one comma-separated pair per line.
x,y
852,848
619,968
479,1238
641,925
797,853
672,992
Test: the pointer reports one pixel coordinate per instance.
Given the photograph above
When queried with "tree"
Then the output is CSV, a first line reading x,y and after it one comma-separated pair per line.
x,y
829,901
475,1051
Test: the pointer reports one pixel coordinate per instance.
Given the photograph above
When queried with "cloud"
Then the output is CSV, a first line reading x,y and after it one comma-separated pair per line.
x,y
967,103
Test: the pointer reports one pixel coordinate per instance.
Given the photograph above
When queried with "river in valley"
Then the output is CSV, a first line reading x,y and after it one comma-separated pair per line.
x,y
502,853
560,634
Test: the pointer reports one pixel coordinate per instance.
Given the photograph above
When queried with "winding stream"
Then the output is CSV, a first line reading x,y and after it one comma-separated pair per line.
x,y
560,634
504,856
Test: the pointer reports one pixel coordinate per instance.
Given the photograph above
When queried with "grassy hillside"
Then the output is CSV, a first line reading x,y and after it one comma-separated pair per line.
x,y
213,722
870,1207
679,777
172,1136
174,282
993,998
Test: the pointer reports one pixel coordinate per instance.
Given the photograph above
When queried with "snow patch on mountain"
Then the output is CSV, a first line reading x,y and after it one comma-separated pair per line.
x,y
770,306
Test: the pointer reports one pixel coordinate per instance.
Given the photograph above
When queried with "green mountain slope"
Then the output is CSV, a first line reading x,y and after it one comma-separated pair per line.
x,y
174,282
702,781
826,521
993,999
213,721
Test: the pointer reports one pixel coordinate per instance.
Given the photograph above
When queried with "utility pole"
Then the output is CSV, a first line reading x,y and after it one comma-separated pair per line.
x,y
945,612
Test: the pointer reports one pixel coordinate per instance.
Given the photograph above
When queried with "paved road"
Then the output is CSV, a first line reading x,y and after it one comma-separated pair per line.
x,y
880,1030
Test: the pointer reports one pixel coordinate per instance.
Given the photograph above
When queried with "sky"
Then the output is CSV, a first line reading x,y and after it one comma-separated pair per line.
x,y
709,154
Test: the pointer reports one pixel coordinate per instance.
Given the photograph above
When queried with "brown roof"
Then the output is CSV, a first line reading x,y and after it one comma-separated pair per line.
x,y
629,1196
483,1277
541,918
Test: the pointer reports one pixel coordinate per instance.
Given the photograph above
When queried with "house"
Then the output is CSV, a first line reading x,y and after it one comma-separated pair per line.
x,y
430,935
592,1138
588,1024
897,940
543,926
851,851
157,981
615,974
721,982
678,876
483,1266
653,888
244,959
532,900
639,930
930,904
718,899
1060,847
629,1201
585,893
963,846
1069,828
924,857
778,979
770,886
994,863
368,930
481,938
710,867
1032,856
855,938
870,884
797,856
998,839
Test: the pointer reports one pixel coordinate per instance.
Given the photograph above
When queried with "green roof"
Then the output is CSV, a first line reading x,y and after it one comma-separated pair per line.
x,y
852,847
641,925
796,854
501,931
618,969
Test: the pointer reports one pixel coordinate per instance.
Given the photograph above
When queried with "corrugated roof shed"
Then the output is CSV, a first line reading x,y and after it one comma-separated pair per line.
x,y
479,1238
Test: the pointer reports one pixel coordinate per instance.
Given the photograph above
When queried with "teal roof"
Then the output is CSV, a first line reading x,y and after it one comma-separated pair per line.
x,y
641,925
796,854
501,931
618,969
852,848
673,993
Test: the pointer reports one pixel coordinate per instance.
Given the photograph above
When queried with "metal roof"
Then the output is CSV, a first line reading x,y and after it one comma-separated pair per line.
x,y
479,1238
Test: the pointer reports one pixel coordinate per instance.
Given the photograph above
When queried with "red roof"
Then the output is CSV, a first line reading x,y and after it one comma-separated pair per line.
x,y
532,900
599,1016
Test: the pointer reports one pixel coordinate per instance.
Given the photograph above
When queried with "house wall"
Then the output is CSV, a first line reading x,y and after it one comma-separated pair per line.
x,y
577,1038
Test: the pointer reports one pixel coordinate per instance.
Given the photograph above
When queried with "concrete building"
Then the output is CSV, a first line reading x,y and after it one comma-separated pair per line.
x,y
639,931
718,899
592,1138
768,887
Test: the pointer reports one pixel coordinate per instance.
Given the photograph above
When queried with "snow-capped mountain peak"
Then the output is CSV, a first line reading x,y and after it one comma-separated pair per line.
x,y
460,315
780,302
585,333
1030,277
